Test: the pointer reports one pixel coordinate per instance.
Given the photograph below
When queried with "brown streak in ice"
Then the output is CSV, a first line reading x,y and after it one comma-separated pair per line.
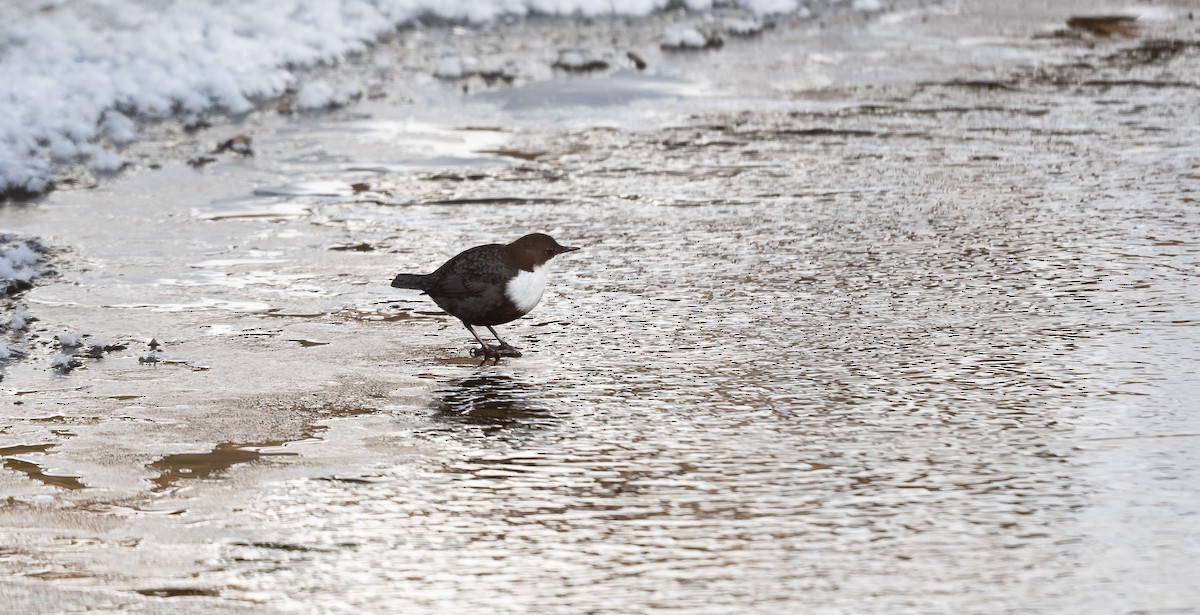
x,y
34,470
174,468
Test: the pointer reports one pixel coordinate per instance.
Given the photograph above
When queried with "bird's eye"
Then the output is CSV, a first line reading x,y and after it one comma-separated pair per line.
x,y
550,252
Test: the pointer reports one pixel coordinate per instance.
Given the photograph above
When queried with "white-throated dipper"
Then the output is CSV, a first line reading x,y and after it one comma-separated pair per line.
x,y
490,285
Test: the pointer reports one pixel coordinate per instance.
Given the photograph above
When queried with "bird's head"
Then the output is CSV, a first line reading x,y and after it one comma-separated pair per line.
x,y
533,250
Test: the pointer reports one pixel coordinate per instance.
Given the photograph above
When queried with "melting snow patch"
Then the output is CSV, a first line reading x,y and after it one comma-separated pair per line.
x,y
449,67
65,362
105,160
315,95
868,6
743,27
321,94
20,319
21,255
18,267
120,128
686,38
68,339
579,60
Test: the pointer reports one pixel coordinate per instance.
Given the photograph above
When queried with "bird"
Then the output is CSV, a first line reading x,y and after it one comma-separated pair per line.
x,y
490,285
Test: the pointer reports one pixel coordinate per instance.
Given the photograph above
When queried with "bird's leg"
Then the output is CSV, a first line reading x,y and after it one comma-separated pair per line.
x,y
505,349
485,351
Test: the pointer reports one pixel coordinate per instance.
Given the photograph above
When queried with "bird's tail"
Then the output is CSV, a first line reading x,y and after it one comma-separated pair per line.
x,y
415,281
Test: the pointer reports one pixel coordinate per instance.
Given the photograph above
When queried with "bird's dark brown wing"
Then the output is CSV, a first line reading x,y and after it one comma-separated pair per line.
x,y
471,273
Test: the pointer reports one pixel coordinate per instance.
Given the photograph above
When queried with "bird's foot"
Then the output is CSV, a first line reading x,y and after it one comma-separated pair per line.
x,y
487,352
495,352
508,351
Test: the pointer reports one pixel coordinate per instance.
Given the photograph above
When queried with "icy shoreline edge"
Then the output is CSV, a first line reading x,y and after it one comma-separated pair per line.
x,y
79,81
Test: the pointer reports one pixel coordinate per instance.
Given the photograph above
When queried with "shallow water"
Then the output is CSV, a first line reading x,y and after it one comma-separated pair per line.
x,y
928,348
793,403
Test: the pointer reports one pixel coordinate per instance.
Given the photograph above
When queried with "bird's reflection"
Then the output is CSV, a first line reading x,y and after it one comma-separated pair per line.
x,y
495,402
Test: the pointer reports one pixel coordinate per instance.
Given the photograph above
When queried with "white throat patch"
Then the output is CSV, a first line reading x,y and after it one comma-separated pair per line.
x,y
525,290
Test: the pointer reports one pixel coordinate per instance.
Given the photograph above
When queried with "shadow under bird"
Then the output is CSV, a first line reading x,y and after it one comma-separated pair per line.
x,y
490,285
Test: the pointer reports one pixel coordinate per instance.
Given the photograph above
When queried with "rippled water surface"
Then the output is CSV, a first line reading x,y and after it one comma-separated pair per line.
x,y
794,403
930,350
802,373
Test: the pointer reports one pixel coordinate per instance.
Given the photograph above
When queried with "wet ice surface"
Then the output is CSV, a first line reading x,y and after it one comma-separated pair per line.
x,y
929,348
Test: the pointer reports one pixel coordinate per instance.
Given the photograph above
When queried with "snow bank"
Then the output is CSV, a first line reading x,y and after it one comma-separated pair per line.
x,y
77,76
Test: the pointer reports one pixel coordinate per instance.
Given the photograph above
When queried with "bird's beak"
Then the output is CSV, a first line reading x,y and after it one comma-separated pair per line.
x,y
565,249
